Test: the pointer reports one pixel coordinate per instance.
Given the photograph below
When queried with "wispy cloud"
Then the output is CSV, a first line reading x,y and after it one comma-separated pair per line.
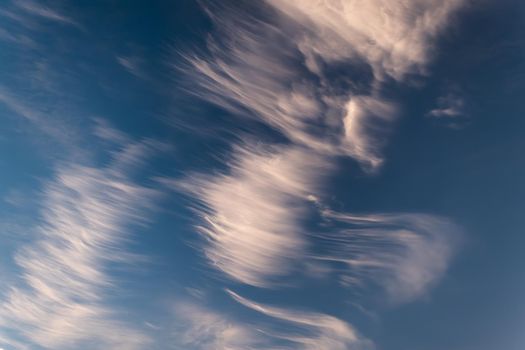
x,y
252,215
270,327
315,73
244,78
22,108
48,126
16,38
107,132
132,64
365,117
451,110
395,38
201,329
406,254
449,106
317,331
38,10
278,72
60,300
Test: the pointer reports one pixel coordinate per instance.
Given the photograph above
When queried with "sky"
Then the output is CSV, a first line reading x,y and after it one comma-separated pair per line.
x,y
273,174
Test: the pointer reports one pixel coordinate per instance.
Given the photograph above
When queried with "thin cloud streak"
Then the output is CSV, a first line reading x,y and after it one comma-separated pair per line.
x,y
203,328
319,331
37,10
46,124
449,106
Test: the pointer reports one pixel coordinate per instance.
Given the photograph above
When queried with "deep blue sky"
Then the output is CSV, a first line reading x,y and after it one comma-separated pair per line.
x,y
262,175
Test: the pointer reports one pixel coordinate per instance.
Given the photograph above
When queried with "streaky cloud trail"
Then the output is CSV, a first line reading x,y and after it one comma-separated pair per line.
x,y
274,68
60,300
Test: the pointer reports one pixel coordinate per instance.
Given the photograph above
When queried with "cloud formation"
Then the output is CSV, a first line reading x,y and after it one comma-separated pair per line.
x,y
269,327
251,216
202,329
60,300
394,37
277,71
405,254
314,72
316,330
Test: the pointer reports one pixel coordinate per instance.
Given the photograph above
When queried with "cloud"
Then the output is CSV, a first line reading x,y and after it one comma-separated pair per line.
x,y
43,12
242,78
449,106
279,71
60,299
406,254
24,109
451,111
107,132
132,64
251,216
261,68
395,38
366,116
315,74
255,72
318,331
253,222
16,38
200,327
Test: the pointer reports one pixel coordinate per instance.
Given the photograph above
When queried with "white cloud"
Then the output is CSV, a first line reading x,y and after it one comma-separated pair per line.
x,y
394,37
277,71
254,70
59,302
318,331
406,254
271,327
252,215
22,107
252,222
366,116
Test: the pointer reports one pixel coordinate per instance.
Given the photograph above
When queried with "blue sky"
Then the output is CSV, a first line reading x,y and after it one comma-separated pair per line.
x,y
197,175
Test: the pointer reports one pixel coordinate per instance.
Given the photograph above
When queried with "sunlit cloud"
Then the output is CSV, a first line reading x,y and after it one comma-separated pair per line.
x,y
270,327
59,301
319,331
276,70
394,37
251,216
